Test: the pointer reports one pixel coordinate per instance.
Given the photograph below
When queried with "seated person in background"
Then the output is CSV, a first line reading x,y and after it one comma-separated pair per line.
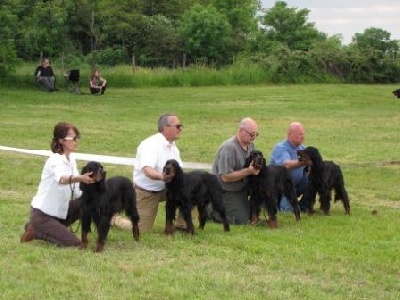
x,y
285,153
45,75
97,84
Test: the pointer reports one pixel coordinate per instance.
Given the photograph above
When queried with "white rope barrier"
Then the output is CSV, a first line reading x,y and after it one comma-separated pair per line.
x,y
124,161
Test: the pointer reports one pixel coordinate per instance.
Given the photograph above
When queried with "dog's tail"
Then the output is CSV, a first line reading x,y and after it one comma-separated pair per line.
x,y
340,190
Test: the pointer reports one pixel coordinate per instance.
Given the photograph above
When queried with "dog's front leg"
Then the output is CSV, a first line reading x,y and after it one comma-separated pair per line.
x,y
103,227
86,220
170,209
84,241
255,207
309,197
325,200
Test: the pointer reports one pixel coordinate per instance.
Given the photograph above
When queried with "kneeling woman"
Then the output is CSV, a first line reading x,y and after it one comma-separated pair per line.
x,y
53,206
97,84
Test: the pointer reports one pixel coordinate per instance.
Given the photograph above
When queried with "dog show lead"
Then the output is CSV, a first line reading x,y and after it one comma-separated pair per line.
x,y
57,203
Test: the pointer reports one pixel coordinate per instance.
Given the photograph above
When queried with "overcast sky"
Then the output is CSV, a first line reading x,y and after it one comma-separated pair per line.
x,y
348,17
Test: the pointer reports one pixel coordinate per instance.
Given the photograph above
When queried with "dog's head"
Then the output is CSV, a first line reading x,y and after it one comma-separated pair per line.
x,y
171,167
309,156
98,174
256,159
173,170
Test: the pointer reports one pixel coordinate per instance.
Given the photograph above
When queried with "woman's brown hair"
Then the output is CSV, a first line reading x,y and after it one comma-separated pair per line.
x,y
60,132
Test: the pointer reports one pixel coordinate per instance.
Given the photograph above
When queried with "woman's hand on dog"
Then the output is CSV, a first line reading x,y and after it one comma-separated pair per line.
x,y
87,178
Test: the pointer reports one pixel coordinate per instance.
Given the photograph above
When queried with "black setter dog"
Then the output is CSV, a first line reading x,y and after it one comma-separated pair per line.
x,y
396,93
102,200
185,190
268,187
323,177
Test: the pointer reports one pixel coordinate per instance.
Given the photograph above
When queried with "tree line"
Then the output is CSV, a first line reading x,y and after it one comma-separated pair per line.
x,y
180,33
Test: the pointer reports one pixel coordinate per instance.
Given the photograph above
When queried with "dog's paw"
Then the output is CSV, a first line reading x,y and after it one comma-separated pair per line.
x,y
82,246
189,230
99,247
255,221
273,224
169,229
226,227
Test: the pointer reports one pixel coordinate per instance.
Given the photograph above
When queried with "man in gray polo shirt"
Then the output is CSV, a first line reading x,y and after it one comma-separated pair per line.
x,y
228,166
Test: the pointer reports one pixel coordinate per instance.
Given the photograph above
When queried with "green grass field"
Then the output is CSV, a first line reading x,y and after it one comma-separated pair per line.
x,y
334,257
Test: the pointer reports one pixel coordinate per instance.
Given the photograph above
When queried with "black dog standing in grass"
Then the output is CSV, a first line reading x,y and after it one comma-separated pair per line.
x,y
267,188
102,200
323,177
185,190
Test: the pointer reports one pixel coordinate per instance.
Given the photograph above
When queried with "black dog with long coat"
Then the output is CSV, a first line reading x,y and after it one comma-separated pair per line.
x,y
185,190
102,200
268,187
323,177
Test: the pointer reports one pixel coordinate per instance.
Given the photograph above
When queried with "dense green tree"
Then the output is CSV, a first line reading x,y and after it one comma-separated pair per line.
x,y
289,26
216,32
373,57
45,31
172,9
206,34
123,24
162,41
375,39
81,24
8,28
242,16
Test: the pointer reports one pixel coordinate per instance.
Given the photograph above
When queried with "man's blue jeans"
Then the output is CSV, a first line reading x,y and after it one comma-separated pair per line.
x,y
286,206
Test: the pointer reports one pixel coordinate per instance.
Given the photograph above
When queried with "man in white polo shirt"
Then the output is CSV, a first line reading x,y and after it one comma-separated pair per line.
x,y
148,175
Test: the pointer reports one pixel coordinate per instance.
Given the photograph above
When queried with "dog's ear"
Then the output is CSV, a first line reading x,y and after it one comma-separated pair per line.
x,y
167,164
84,170
178,171
247,161
83,186
315,152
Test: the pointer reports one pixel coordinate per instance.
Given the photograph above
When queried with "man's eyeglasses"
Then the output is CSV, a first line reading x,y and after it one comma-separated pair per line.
x,y
70,138
177,126
251,134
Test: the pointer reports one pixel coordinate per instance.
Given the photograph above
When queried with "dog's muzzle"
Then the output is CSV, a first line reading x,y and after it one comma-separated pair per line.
x,y
258,162
168,170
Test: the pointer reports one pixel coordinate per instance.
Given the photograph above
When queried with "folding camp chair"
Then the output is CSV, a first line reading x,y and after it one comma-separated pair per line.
x,y
72,79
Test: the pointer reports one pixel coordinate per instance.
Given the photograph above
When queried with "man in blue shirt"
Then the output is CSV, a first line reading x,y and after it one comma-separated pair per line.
x,y
285,153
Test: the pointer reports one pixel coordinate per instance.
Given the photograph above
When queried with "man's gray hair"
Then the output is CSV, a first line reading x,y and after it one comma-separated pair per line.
x,y
244,122
164,121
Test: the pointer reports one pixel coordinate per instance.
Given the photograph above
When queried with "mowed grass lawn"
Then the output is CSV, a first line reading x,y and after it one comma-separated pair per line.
x,y
321,257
